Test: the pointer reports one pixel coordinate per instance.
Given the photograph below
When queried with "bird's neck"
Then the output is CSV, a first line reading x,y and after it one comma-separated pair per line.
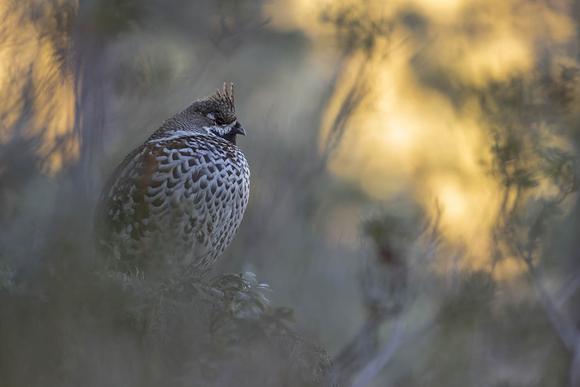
x,y
176,128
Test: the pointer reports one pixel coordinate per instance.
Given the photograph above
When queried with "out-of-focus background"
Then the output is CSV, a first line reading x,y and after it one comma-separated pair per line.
x,y
413,207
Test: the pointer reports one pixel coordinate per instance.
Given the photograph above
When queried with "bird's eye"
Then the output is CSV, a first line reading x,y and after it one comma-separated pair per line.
x,y
211,116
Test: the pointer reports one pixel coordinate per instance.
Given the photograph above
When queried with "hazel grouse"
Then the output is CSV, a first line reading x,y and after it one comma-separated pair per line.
x,y
178,199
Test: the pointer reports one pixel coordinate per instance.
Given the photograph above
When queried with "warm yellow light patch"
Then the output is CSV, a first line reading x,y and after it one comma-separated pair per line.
x,y
408,135
399,134
453,200
493,59
468,205
438,9
295,14
508,268
29,61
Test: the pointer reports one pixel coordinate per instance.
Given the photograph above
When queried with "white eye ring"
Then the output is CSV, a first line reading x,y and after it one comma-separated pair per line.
x,y
211,116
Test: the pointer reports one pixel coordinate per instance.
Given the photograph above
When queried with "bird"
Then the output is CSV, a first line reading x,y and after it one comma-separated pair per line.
x,y
176,201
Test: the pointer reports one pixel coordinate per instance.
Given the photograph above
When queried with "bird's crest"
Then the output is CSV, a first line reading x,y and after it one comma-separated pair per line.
x,y
225,96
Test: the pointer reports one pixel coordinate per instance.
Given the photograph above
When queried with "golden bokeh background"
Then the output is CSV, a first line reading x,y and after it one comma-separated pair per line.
x,y
407,135
38,93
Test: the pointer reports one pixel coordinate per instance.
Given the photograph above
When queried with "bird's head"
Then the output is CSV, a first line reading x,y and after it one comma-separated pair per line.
x,y
217,115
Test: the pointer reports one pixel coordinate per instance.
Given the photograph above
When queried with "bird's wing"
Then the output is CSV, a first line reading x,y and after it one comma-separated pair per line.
x,y
122,209
175,190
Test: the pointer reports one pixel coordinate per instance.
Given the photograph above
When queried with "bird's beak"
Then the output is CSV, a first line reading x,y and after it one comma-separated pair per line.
x,y
238,129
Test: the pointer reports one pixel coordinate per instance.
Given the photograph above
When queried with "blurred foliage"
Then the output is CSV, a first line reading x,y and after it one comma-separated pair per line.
x,y
167,332
354,30
529,119
404,97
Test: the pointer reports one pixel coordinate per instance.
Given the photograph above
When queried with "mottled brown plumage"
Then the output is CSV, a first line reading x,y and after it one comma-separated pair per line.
x,y
176,201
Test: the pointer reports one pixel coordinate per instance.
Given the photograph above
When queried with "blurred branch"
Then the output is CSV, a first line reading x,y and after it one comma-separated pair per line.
x,y
351,102
358,30
386,294
523,160
524,251
375,366
358,352
575,368
399,337
562,324
567,291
